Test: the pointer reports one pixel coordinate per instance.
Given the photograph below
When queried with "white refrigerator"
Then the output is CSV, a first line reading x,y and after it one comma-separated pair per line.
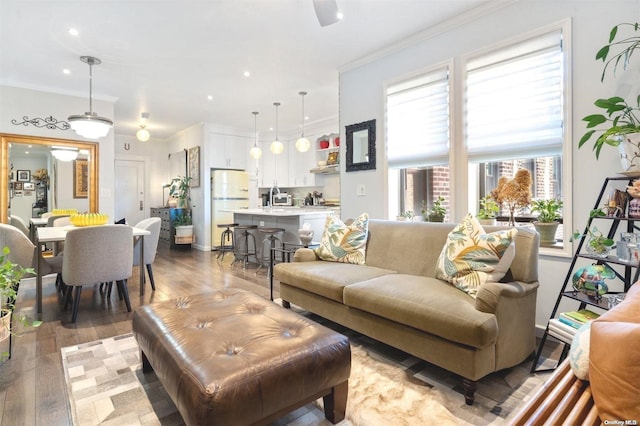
x,y
229,191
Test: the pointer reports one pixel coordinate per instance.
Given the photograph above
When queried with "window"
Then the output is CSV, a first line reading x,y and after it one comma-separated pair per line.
x,y
418,140
513,111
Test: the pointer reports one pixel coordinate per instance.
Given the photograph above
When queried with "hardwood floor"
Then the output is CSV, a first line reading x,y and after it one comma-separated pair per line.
x,y
32,382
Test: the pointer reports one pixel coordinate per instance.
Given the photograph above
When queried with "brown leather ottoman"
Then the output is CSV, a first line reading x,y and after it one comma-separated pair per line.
x,y
233,358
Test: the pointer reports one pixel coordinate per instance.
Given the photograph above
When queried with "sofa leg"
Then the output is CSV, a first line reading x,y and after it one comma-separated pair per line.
x,y
146,365
469,390
286,304
335,403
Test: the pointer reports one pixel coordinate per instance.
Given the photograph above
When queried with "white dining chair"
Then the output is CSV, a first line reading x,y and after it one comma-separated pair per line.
x,y
152,225
94,255
19,223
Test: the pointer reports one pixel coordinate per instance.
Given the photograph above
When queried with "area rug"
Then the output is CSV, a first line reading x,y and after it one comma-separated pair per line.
x,y
106,386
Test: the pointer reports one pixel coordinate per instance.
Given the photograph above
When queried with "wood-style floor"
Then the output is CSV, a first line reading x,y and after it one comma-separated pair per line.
x,y
32,388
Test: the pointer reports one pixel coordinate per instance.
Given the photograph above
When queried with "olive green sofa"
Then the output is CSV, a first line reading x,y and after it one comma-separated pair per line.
x,y
394,298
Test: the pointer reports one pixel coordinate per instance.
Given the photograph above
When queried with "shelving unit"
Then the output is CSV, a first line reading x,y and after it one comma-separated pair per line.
x,y
628,275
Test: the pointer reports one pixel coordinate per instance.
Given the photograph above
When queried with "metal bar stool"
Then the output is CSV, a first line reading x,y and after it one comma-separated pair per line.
x,y
271,236
227,242
243,251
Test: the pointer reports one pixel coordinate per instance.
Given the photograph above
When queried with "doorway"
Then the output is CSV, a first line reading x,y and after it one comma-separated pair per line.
x,y
130,200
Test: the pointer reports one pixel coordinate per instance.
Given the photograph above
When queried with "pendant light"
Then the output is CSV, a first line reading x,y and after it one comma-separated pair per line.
x,y
303,144
89,124
276,146
255,152
143,134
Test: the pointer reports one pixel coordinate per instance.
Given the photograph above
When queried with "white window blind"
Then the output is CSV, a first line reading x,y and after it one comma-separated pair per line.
x,y
418,121
514,101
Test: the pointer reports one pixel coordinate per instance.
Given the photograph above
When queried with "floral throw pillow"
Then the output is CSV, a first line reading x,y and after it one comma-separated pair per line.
x,y
471,257
344,243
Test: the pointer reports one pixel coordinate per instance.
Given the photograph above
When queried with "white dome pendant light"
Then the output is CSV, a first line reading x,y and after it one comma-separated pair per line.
x,y
303,144
89,124
276,146
255,151
143,134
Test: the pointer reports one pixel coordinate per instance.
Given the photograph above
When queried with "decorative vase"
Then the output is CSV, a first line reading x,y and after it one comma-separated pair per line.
x,y
488,222
547,231
597,249
629,150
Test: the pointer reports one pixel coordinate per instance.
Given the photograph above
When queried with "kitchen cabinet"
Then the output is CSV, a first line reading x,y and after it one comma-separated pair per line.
x,y
327,146
299,165
274,167
227,151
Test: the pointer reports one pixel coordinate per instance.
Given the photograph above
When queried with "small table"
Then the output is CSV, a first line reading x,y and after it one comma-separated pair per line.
x,y
54,234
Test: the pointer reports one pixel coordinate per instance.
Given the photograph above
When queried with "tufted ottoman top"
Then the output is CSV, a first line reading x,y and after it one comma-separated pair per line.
x,y
237,358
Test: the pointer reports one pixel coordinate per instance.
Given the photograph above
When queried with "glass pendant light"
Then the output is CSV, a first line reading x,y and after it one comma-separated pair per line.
x,y
89,124
143,134
303,144
255,152
276,146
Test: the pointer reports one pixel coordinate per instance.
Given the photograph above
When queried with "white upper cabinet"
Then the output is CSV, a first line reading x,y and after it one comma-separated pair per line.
x,y
275,167
299,165
227,151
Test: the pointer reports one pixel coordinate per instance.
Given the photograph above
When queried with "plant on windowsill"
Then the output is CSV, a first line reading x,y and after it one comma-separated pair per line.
x,y
406,215
549,213
597,243
436,212
488,212
514,193
180,190
10,276
620,124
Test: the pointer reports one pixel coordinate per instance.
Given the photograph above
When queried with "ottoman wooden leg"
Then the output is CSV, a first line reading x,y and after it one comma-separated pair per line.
x,y
146,365
335,403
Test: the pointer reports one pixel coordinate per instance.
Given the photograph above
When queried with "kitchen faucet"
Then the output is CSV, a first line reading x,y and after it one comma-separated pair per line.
x,y
274,186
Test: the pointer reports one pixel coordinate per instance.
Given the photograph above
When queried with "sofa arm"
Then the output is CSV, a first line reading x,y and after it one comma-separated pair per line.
x,y
304,255
490,293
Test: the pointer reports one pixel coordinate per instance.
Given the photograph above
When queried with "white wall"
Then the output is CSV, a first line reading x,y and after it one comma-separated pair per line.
x,y
362,98
17,102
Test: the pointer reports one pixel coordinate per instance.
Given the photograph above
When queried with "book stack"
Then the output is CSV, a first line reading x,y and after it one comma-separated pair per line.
x,y
565,326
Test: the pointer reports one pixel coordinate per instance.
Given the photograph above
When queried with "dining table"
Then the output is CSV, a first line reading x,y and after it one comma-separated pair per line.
x,y
55,234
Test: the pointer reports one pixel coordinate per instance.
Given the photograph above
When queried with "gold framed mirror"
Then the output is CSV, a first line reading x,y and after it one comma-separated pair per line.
x,y
6,141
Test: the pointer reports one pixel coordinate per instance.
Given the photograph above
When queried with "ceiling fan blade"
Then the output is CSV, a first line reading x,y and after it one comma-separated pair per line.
x,y
326,11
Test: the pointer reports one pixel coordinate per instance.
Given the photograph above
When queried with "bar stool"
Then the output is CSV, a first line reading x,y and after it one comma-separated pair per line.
x,y
271,236
243,249
227,242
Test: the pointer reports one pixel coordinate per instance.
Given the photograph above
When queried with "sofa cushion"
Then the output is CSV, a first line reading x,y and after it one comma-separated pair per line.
x,y
471,257
326,279
427,304
614,360
579,352
344,243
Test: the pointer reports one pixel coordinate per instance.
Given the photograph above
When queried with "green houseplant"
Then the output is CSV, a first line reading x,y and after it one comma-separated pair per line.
x,y
549,212
489,210
436,212
180,189
597,243
617,124
10,276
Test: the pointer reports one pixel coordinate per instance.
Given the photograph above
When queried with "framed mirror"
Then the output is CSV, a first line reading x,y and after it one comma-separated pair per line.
x,y
11,144
361,146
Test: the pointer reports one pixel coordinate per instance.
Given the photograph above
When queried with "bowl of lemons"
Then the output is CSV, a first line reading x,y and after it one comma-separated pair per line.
x,y
89,219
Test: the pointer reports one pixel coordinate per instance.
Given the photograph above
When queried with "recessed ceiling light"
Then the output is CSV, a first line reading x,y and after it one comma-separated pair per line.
x,y
73,32
340,15
210,97
306,117
247,74
66,71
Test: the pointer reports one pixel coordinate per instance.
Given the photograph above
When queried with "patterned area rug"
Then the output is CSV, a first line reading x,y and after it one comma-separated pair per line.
x,y
106,386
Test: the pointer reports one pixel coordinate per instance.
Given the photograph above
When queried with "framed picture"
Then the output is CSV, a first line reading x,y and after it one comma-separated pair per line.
x,y
29,186
80,178
17,186
332,158
24,175
194,166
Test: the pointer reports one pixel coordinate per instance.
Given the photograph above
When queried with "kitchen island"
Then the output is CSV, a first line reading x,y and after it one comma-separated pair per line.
x,y
290,219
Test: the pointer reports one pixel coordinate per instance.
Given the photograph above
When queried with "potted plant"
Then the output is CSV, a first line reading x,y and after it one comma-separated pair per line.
x,y
406,215
597,243
515,193
488,212
10,276
436,212
547,224
180,189
183,225
619,123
